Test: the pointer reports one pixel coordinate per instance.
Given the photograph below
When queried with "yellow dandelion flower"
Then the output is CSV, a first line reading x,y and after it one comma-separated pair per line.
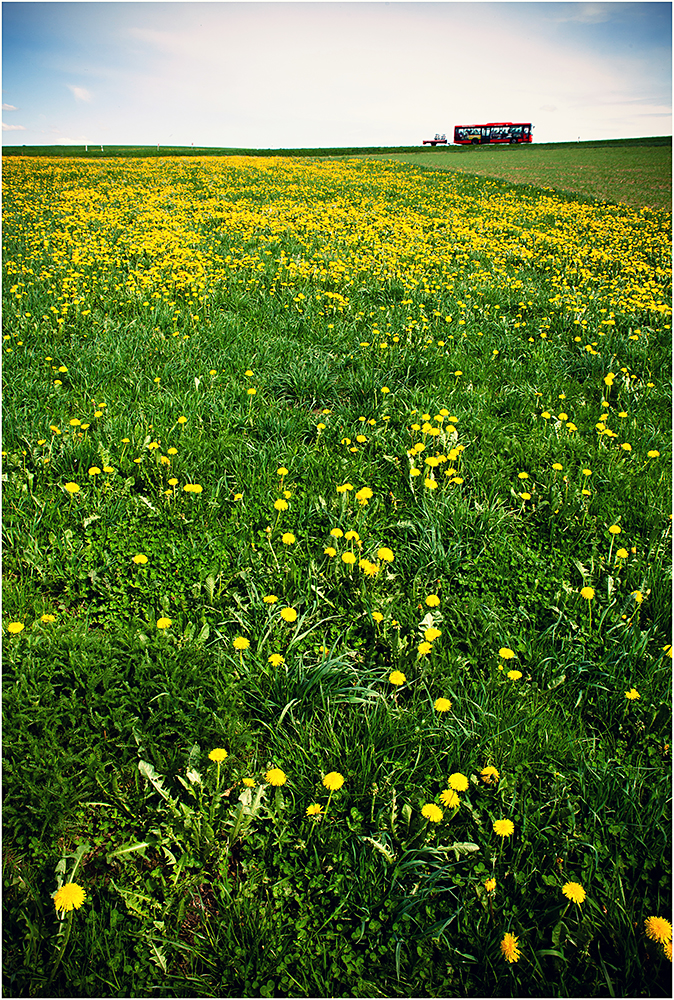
x,y
504,827
458,781
314,810
240,642
658,929
385,554
164,623
69,897
587,593
289,615
632,694
442,705
506,653
450,799
397,678
509,948
333,781
15,627
72,487
432,812
276,777
490,884
276,659
218,755
288,538
432,600
140,559
575,892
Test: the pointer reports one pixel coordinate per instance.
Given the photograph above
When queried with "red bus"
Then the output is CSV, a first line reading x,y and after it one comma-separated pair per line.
x,y
494,132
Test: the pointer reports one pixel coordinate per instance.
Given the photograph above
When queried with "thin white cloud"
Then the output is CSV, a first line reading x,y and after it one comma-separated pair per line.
x,y
8,107
80,93
13,128
587,13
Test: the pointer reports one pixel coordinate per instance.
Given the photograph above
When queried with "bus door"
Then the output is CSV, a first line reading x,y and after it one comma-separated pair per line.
x,y
486,133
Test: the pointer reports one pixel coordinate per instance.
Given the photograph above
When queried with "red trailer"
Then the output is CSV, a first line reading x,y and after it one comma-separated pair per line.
x,y
440,140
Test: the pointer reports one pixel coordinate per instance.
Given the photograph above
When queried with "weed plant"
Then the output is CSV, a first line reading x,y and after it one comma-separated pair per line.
x,y
336,579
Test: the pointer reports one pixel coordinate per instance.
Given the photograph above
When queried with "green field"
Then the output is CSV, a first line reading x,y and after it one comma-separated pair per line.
x,y
636,172
336,580
633,175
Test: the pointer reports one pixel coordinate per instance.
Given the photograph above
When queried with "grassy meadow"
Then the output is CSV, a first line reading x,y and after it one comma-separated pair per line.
x,y
336,583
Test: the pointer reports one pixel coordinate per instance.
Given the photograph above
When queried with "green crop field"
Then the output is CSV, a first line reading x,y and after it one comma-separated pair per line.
x,y
638,175
336,581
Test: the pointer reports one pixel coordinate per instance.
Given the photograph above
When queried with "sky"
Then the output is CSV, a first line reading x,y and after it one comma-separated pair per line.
x,y
324,74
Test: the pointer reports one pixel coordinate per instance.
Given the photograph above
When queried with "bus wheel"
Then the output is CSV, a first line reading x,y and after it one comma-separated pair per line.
x,y
475,142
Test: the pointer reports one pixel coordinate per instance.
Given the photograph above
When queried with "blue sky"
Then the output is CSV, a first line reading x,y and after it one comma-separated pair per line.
x,y
278,74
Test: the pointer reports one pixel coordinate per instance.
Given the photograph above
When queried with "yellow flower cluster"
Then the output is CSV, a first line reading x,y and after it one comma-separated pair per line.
x,y
143,231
